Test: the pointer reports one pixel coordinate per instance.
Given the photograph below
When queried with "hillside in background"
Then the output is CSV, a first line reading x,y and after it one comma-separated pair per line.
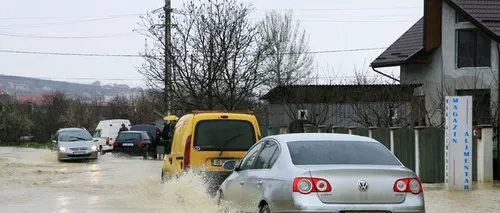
x,y
24,86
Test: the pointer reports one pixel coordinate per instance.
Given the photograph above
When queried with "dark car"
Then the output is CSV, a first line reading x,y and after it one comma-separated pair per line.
x,y
153,133
134,143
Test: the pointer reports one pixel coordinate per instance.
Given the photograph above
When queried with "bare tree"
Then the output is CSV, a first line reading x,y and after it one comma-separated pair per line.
x,y
287,60
379,105
216,53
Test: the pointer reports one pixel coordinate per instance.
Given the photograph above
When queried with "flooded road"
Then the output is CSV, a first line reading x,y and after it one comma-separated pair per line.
x,y
34,181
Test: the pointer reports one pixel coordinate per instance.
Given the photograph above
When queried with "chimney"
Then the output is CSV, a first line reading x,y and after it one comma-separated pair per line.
x,y
433,10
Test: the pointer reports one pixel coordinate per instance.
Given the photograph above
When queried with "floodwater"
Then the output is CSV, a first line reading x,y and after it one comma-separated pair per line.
x,y
34,181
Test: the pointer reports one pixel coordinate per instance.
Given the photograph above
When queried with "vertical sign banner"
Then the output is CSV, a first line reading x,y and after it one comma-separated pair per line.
x,y
458,143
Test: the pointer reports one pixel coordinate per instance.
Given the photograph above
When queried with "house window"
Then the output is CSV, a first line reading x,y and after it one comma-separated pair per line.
x,y
460,18
473,49
302,114
481,105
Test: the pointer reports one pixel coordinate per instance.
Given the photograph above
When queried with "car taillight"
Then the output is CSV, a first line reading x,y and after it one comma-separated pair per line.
x,y
107,141
115,144
411,185
307,185
187,153
141,143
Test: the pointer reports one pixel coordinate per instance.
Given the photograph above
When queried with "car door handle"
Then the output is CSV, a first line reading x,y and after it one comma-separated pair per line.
x,y
242,182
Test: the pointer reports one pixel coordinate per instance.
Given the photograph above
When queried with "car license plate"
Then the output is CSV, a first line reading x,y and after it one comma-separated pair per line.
x,y
218,162
79,153
128,144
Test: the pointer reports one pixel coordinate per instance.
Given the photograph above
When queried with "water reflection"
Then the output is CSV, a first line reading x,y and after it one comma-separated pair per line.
x,y
95,174
63,204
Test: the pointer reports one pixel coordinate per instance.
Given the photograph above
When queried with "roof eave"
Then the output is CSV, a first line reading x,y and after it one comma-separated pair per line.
x,y
407,61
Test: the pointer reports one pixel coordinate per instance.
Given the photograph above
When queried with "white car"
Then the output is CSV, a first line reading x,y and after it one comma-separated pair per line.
x,y
74,144
106,132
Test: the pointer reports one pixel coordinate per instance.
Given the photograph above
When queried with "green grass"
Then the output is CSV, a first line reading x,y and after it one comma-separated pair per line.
x,y
35,145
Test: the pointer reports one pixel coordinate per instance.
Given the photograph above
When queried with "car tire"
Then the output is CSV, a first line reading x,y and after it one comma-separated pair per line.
x,y
265,209
101,151
220,198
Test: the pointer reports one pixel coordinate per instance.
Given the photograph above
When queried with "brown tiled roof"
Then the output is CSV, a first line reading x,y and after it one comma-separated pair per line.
x,y
485,14
341,93
410,43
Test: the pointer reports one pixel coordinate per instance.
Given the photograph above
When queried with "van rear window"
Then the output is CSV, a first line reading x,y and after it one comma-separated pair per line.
x,y
230,135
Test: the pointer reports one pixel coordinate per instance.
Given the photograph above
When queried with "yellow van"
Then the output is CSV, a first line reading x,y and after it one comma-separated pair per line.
x,y
206,139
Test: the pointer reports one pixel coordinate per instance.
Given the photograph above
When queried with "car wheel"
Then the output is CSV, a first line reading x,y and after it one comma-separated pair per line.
x,y
220,199
101,151
265,209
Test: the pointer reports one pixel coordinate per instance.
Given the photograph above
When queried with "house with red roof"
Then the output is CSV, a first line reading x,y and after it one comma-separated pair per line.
x,y
452,50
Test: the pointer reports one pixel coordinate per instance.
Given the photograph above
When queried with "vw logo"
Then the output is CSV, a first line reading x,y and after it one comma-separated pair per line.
x,y
362,185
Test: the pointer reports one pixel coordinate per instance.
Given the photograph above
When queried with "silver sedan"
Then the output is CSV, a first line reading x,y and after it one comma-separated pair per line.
x,y
74,144
315,172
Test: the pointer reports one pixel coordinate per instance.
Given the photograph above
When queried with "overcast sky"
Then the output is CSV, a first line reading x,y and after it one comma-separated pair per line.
x,y
38,25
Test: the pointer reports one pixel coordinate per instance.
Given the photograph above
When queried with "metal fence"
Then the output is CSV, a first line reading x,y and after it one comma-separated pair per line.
x,y
430,143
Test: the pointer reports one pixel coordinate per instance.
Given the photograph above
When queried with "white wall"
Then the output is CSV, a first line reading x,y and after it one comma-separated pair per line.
x,y
442,77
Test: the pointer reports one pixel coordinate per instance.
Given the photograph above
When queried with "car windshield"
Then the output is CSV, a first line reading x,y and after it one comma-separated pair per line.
x,y
340,152
129,137
229,135
76,135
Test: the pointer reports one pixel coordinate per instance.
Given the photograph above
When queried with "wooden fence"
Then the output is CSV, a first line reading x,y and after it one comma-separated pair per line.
x,y
430,144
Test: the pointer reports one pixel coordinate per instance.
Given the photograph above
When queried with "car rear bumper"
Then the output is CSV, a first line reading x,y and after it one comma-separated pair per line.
x,y
133,151
310,204
107,147
67,156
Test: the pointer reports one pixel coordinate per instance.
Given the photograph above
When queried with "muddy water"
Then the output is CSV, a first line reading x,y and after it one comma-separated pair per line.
x,y
33,181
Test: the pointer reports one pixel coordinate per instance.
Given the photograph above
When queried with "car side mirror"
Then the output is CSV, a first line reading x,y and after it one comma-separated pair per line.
x,y
230,165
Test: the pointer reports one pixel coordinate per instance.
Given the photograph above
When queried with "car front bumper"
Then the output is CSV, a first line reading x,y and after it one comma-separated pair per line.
x,y
311,204
67,156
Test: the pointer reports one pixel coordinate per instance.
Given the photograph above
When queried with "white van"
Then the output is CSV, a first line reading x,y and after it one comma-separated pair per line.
x,y
106,132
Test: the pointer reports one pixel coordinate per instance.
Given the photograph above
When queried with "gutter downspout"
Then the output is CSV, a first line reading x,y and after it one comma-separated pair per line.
x,y
381,73
498,103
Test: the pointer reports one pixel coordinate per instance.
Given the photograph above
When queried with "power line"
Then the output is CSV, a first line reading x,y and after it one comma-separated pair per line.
x,y
130,55
66,17
346,21
340,9
68,54
65,37
64,23
135,79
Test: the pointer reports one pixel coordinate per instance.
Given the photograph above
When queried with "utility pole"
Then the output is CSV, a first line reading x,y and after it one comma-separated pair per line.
x,y
168,63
